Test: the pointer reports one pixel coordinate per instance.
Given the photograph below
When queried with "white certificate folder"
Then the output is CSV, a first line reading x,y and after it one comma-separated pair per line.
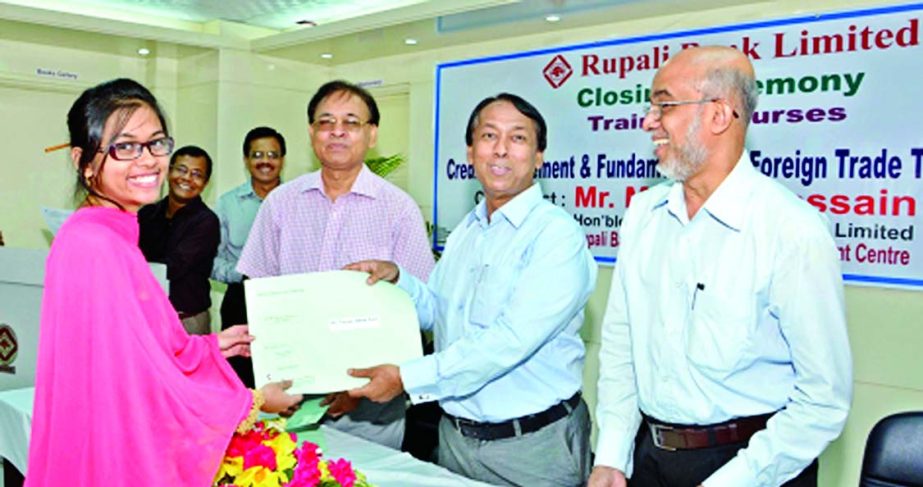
x,y
310,328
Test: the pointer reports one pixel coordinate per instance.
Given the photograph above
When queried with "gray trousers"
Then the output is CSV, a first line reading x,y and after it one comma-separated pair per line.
x,y
556,455
198,324
379,423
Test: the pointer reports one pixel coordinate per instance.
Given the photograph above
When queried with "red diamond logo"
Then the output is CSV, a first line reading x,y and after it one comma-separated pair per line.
x,y
8,345
557,71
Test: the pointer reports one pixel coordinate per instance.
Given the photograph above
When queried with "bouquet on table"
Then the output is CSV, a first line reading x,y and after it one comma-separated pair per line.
x,y
268,456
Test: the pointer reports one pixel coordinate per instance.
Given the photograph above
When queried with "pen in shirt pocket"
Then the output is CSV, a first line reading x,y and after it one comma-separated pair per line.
x,y
699,287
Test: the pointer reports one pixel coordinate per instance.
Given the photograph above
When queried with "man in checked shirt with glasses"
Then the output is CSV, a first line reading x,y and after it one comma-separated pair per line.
x,y
342,213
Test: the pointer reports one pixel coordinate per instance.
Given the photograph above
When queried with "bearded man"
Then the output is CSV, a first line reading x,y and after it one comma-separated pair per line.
x,y
724,336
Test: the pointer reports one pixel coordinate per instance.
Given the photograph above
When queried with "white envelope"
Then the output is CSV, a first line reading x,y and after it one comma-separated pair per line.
x,y
310,328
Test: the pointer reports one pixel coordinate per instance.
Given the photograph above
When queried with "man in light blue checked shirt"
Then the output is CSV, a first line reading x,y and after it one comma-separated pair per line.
x,y
505,303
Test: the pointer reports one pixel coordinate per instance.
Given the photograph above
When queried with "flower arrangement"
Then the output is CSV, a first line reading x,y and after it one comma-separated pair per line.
x,y
268,456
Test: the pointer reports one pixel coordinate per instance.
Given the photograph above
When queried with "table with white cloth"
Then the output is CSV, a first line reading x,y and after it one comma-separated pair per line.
x,y
384,467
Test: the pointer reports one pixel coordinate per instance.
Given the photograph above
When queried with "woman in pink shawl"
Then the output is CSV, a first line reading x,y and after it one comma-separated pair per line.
x,y
124,396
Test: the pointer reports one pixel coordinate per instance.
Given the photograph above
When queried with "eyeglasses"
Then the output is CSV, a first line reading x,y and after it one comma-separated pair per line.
x,y
128,151
184,171
258,154
328,124
657,109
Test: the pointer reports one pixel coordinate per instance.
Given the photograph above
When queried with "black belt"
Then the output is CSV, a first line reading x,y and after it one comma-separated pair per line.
x,y
516,426
667,436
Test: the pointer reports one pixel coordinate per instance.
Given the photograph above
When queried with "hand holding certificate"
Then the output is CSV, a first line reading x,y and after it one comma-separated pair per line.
x,y
311,328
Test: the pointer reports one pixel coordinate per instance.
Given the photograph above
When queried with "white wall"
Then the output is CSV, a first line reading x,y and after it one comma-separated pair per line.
x,y
33,115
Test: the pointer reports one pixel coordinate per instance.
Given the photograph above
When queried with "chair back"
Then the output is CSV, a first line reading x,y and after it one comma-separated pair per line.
x,y
894,452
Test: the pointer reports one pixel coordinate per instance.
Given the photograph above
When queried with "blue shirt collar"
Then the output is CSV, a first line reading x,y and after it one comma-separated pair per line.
x,y
514,211
245,191
725,204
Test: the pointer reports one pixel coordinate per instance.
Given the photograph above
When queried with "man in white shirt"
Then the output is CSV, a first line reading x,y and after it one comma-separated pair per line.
x,y
724,332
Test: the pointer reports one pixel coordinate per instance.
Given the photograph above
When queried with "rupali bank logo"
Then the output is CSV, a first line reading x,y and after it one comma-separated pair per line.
x,y
557,71
8,348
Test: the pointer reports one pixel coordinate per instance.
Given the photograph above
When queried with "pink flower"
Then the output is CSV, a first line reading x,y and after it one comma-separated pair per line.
x,y
307,454
260,455
306,475
342,471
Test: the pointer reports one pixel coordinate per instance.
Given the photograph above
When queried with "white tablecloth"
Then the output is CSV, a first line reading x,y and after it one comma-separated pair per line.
x,y
16,425
383,466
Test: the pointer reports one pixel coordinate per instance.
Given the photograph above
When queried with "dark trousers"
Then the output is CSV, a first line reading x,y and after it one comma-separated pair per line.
x,y
12,477
234,312
421,428
655,467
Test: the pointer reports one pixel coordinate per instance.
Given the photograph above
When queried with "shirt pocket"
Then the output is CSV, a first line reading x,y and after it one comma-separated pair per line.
x,y
493,287
720,332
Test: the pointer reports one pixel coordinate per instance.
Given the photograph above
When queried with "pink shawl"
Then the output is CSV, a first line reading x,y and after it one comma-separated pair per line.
x,y
124,396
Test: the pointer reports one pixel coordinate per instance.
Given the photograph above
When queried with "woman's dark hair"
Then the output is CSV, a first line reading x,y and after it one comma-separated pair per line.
x,y
263,133
87,119
524,107
341,86
194,151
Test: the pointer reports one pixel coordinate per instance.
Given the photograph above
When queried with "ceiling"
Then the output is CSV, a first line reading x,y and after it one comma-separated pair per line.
x,y
349,30
270,14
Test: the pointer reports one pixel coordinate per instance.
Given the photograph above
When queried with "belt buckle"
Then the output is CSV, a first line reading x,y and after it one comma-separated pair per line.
x,y
461,424
656,436
468,428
